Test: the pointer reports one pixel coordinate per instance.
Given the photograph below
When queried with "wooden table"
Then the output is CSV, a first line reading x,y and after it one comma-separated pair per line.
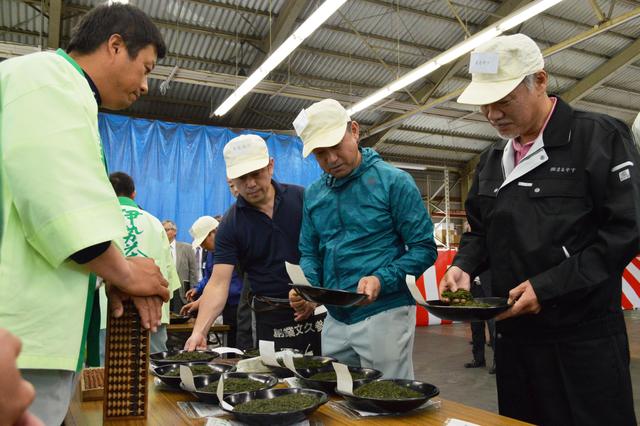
x,y
163,410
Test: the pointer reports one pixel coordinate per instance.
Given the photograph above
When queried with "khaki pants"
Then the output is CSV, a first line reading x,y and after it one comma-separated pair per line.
x,y
383,341
54,390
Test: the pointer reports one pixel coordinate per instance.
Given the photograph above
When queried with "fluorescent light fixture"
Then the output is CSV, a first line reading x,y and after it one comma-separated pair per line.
x,y
460,49
408,166
312,23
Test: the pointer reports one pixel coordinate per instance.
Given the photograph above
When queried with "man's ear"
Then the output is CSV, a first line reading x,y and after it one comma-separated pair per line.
x,y
355,131
115,44
542,80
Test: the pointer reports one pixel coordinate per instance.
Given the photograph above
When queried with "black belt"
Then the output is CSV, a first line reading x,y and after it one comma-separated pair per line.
x,y
267,303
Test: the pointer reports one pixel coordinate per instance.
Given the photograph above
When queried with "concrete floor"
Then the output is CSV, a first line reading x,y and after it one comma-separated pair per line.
x,y
441,351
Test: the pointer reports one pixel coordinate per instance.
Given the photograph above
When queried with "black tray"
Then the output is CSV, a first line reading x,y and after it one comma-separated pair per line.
x,y
212,397
160,358
392,405
174,381
178,319
325,296
273,419
330,387
284,372
461,313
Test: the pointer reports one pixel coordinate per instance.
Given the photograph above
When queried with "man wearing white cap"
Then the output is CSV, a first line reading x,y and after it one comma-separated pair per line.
x,y
554,214
259,233
364,228
203,232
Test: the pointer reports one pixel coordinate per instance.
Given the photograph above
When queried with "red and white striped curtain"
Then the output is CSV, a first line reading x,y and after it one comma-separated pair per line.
x,y
428,285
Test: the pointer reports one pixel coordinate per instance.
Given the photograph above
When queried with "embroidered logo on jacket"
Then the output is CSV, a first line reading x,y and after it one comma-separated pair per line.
x,y
566,170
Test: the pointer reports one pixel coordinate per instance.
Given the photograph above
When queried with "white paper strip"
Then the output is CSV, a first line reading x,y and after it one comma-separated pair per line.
x,y
206,410
344,380
220,393
268,353
458,422
319,310
252,365
484,63
227,350
415,292
296,275
187,378
287,356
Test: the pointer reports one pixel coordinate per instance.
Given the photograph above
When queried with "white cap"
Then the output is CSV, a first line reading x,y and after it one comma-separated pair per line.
x,y
321,125
635,130
498,66
201,228
245,154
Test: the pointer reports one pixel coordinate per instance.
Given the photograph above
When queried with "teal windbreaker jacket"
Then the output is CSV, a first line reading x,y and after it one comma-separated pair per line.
x,y
372,222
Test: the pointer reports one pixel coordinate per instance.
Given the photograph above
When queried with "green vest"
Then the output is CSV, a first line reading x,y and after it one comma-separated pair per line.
x,y
145,236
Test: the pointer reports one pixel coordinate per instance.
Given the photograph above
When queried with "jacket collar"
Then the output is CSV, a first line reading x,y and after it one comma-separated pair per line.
x,y
92,85
556,133
369,158
126,201
558,130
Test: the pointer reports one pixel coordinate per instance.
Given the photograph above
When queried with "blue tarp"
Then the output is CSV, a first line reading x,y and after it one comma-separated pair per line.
x,y
179,171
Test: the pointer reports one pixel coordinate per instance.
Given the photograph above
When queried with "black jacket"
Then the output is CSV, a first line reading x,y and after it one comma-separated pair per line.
x,y
566,219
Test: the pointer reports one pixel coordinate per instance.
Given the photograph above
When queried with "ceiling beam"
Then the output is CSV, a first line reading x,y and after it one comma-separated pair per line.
x,y
430,162
602,73
282,28
55,24
396,142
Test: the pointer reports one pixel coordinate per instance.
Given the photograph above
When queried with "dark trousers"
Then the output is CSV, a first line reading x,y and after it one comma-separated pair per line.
x,y
571,380
230,318
244,333
479,339
176,302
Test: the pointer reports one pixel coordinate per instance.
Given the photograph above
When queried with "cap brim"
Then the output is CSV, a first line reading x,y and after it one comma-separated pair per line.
x,y
196,243
246,167
481,93
324,140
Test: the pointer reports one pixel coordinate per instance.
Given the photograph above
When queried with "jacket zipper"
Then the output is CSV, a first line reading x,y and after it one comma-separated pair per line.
x,y
335,263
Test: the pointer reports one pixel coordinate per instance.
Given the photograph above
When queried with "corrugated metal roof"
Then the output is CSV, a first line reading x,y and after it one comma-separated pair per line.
x,y
627,77
607,96
404,32
20,15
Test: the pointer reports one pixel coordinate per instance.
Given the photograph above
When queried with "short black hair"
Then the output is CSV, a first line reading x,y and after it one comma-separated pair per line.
x,y
134,26
122,183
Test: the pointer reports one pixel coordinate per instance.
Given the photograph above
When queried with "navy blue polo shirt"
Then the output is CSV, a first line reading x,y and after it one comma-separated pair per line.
x,y
259,244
